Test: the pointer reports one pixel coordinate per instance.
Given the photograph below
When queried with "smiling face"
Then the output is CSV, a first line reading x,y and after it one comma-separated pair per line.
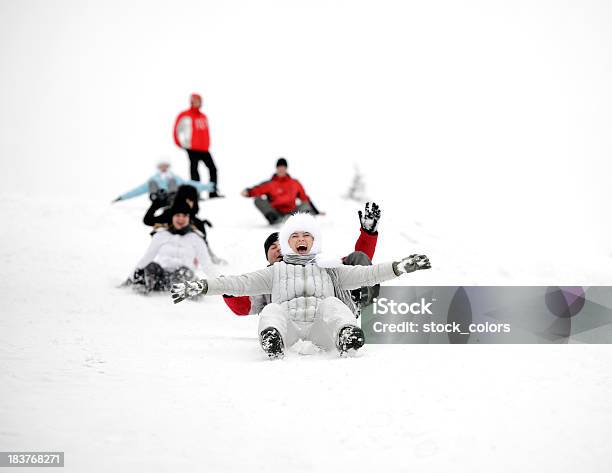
x,y
301,242
180,221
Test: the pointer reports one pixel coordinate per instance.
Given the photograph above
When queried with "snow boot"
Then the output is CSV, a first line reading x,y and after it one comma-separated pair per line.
x,y
272,217
138,277
272,342
350,337
182,274
154,278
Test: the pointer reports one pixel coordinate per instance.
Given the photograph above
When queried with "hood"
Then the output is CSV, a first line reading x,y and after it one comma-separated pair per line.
x,y
300,222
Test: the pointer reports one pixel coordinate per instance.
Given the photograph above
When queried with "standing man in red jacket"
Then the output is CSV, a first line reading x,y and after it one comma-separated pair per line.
x,y
191,133
281,193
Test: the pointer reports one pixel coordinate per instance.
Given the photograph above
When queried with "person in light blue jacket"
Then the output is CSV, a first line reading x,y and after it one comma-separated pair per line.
x,y
163,185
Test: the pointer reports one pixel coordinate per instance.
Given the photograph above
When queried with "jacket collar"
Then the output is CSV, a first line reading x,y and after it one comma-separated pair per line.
x,y
276,177
182,231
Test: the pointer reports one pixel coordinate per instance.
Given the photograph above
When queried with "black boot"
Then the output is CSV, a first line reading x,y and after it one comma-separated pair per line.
x,y
136,279
272,342
182,274
350,338
270,213
154,278
272,218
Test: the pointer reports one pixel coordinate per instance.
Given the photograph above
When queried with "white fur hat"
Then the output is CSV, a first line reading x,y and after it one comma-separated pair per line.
x,y
300,222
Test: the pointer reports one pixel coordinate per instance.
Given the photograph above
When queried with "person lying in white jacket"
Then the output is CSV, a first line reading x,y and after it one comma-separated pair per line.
x,y
175,254
310,299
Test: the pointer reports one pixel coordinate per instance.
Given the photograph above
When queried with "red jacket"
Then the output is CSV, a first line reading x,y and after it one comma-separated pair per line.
x,y
191,130
281,192
241,305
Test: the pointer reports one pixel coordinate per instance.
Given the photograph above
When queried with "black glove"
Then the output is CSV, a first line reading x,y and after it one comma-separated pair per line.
x,y
187,289
370,217
411,264
161,196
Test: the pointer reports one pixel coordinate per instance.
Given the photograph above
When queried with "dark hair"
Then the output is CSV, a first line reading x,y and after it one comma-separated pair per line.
x,y
180,208
187,192
272,238
281,162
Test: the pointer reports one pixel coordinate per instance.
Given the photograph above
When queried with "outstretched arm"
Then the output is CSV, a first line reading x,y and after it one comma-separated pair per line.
x,y
353,277
200,186
249,284
135,192
301,193
258,190
150,219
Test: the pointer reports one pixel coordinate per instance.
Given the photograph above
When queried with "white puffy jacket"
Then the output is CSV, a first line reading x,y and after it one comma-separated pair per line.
x,y
299,289
173,251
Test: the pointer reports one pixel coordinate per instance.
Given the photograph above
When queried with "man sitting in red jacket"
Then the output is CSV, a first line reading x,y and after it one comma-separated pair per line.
x,y
363,255
281,193
191,133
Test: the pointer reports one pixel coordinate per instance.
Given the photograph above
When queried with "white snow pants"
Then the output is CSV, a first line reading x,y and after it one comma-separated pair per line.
x,y
331,316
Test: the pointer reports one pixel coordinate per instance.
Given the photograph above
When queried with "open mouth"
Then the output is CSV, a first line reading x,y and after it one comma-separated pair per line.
x,y
302,249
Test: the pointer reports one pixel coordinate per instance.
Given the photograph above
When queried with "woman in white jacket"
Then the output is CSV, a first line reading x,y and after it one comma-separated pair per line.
x,y
310,299
174,255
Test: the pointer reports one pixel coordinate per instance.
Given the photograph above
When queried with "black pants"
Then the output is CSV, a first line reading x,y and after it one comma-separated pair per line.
x,y
156,278
194,159
273,216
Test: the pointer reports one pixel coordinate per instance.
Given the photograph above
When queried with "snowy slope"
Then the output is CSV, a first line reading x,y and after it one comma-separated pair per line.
x,y
122,382
482,129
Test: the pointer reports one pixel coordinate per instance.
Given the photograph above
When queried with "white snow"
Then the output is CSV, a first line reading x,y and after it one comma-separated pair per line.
x,y
482,129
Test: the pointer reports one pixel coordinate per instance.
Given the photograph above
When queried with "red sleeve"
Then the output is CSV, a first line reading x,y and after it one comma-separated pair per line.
x,y
301,193
239,305
261,189
366,243
176,122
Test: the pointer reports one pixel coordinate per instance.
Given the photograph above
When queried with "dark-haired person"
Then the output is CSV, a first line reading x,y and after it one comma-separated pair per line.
x,y
277,198
363,255
310,294
191,133
185,194
174,254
